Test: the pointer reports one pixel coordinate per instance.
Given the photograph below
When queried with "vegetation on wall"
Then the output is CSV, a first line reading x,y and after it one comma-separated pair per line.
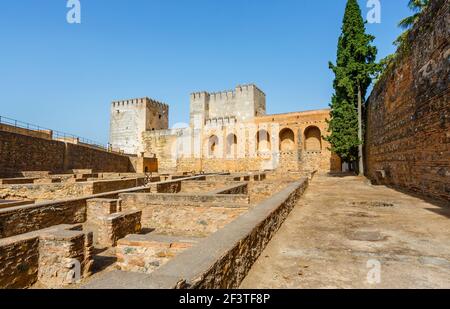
x,y
417,6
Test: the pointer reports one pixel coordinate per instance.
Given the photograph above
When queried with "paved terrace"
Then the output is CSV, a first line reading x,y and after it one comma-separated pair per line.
x,y
342,223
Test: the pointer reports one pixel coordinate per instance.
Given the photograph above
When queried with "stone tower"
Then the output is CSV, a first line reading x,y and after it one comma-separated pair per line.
x,y
130,118
244,103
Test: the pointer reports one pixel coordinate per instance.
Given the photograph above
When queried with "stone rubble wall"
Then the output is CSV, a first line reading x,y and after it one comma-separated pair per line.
x,y
28,218
235,189
41,192
181,214
224,258
19,263
60,253
408,112
142,200
202,186
26,153
117,226
47,256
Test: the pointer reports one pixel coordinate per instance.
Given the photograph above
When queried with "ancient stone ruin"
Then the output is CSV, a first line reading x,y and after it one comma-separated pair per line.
x,y
195,207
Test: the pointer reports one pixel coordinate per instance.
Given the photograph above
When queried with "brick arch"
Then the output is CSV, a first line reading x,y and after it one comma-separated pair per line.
x,y
287,140
313,139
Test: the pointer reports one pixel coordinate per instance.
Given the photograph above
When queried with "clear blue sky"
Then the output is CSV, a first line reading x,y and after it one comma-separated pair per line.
x,y
64,76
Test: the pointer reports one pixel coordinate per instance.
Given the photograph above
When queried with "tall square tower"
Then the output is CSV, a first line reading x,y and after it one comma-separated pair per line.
x,y
130,118
244,103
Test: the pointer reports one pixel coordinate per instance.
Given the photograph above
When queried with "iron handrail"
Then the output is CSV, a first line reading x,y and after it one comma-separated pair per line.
x,y
55,135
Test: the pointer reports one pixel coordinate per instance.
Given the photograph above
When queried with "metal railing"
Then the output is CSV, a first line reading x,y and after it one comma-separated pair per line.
x,y
54,134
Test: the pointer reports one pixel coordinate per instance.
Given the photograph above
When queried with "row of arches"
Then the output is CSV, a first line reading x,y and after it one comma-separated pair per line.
x,y
287,143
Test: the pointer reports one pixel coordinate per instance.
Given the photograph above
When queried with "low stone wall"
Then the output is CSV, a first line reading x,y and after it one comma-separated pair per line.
x,y
186,214
241,188
223,259
116,185
142,200
8,204
54,191
48,256
117,226
173,185
260,191
202,186
28,218
60,253
20,152
19,262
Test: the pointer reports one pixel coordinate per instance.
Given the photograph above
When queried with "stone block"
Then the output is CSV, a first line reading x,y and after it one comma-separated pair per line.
x,y
117,226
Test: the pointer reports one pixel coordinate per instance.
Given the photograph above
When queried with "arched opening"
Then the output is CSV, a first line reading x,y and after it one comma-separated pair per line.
x,y
313,139
231,145
213,146
263,140
287,140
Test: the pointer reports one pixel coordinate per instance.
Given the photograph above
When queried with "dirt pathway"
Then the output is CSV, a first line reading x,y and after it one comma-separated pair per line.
x,y
343,231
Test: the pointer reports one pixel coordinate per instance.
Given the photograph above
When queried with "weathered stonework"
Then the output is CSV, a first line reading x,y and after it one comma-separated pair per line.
x,y
129,118
229,131
29,153
220,261
41,192
60,253
117,226
407,130
19,263
146,253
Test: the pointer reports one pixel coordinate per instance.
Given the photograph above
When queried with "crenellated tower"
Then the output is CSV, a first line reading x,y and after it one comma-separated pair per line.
x,y
130,118
244,103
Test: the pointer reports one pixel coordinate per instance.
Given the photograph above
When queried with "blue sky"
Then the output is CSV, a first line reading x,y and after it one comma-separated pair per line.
x,y
64,76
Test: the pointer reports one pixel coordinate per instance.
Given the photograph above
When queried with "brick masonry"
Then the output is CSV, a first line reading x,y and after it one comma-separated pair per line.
x,y
117,226
19,262
27,153
408,112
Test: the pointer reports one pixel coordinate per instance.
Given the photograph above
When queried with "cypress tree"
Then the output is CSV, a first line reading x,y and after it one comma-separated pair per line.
x,y
354,70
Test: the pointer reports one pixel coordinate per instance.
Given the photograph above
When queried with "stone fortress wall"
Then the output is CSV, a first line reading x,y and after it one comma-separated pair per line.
x,y
21,152
230,131
129,118
244,103
407,116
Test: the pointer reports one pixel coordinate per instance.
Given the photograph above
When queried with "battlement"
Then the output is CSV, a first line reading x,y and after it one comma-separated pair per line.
x,y
140,101
227,94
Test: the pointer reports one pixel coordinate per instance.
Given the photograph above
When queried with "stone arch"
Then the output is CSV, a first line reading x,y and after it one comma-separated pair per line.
x,y
213,146
263,140
232,145
287,140
313,139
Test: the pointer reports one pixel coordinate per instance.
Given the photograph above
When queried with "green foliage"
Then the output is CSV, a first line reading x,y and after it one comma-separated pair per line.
x,y
354,70
417,6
